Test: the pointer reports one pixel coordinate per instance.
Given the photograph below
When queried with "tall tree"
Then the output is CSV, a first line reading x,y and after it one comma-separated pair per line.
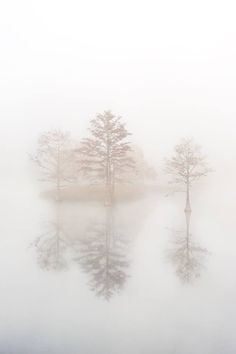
x,y
105,155
55,158
186,166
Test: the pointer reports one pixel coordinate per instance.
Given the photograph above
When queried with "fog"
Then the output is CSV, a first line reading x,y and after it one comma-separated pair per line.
x,y
79,276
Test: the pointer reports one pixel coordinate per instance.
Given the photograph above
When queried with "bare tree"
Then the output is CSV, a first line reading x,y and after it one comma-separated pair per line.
x,y
186,166
55,158
186,255
102,254
105,155
142,172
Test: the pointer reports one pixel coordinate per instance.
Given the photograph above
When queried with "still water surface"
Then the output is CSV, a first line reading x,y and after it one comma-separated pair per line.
x,y
132,279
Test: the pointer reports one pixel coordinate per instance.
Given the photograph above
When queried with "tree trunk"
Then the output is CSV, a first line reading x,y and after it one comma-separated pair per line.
x,y
108,196
108,200
187,206
58,197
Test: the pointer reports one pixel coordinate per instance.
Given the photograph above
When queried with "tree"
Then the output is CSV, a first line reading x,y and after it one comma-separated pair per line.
x,y
105,155
186,166
143,172
55,158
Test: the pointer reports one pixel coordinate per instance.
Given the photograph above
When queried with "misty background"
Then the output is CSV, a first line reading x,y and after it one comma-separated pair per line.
x,y
168,68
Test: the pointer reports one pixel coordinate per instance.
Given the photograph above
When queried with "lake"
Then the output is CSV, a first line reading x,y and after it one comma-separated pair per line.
x,y
79,277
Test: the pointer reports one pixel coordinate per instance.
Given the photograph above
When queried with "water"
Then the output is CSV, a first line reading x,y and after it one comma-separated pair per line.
x,y
84,278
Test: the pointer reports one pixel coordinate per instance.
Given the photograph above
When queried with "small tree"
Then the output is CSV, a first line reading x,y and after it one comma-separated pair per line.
x,y
55,158
143,172
186,166
105,155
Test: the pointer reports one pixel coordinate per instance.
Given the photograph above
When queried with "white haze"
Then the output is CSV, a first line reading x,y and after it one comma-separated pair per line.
x,y
168,68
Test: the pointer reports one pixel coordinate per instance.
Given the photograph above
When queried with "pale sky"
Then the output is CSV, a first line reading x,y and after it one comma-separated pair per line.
x,y
168,67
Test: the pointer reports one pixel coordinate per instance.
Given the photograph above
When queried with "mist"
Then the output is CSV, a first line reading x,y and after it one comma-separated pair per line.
x,y
143,271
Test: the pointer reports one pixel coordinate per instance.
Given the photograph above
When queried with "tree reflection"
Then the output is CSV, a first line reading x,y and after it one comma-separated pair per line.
x,y
102,254
51,245
97,238
187,256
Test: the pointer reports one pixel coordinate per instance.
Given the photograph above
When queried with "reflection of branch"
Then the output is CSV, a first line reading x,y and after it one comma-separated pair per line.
x,y
187,256
51,247
102,255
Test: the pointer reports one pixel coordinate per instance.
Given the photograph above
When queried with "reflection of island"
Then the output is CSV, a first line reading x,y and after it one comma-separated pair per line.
x,y
52,244
102,255
186,255
95,237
